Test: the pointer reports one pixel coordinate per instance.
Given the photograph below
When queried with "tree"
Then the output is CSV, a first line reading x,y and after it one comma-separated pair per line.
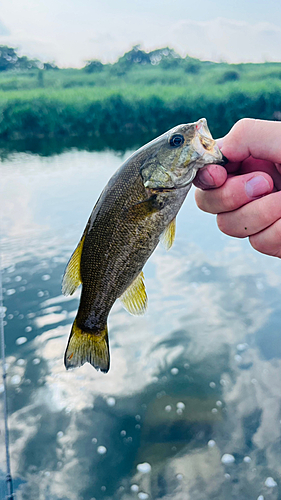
x,y
93,66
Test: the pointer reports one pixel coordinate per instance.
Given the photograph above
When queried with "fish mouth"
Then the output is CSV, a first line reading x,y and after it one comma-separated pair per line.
x,y
206,147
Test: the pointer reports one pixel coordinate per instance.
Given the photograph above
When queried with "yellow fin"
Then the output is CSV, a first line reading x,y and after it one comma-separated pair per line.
x,y
87,347
71,278
134,299
168,235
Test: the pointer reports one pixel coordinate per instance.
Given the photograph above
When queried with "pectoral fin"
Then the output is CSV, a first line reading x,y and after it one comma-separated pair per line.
x,y
71,278
168,236
134,299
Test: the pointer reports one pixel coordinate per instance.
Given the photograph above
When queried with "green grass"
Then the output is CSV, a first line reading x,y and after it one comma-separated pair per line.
x,y
143,100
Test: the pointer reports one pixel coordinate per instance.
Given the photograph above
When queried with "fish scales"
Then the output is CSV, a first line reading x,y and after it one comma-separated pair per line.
x,y
136,207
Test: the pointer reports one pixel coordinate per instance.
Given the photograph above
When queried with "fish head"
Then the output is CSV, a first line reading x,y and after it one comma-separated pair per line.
x,y
178,154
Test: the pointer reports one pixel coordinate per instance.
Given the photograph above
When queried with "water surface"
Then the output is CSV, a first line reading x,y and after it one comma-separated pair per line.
x,y
194,384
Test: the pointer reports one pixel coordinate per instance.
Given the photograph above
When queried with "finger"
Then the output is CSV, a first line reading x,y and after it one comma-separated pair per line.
x,y
253,165
268,241
211,176
251,218
257,138
234,193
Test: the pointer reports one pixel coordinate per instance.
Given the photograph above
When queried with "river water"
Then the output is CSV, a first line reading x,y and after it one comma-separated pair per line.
x,y
191,407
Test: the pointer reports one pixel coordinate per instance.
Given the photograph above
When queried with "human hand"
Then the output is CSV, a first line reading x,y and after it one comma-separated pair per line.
x,y
246,194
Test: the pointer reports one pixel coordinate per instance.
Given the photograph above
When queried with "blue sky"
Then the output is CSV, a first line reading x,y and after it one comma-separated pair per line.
x,y
70,32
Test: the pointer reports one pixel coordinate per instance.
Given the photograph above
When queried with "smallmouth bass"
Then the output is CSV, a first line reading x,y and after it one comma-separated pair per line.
x,y
136,208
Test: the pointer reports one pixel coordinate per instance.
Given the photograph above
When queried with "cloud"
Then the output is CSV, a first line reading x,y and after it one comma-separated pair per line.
x,y
3,29
229,40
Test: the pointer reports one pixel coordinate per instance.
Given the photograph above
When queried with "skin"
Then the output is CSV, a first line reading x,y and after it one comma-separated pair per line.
x,y
246,194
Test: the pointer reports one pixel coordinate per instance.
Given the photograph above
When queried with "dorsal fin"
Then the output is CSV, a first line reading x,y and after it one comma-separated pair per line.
x,y
72,278
168,236
134,299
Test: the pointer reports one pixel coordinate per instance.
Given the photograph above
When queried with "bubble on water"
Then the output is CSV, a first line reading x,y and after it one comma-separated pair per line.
x,y
270,483
11,291
186,366
36,361
227,476
179,477
179,411
3,311
205,271
135,488
30,315
218,403
10,316
15,380
260,497
211,443
94,440
45,277
214,410
21,362
60,434
18,278
242,347
238,358
138,418
181,405
254,381
40,294
227,459
103,488
259,285
28,329
247,460
174,371
142,495
47,473
212,385
222,382
101,450
1,388
11,269
144,468
21,316
168,408
137,426
21,340
111,401
129,439
123,433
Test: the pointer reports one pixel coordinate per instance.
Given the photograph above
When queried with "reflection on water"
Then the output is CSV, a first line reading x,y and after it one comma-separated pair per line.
x,y
194,386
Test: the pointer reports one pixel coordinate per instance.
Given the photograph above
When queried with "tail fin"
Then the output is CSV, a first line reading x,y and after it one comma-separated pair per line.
x,y
86,347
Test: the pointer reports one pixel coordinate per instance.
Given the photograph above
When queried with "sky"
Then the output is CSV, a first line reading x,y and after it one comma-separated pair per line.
x,y
70,32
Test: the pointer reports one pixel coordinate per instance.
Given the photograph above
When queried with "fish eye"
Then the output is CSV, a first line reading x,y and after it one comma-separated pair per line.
x,y
176,140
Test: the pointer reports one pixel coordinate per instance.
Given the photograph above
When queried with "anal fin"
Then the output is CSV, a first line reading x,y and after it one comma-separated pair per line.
x,y
134,299
168,236
71,278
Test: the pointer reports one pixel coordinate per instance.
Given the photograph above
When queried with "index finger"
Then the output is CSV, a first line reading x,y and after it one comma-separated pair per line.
x,y
260,139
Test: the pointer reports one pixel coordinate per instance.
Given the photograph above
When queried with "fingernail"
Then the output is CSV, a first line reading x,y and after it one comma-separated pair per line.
x,y
206,179
257,186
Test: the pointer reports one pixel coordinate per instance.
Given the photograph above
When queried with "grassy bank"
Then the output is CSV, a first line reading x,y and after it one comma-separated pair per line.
x,y
135,101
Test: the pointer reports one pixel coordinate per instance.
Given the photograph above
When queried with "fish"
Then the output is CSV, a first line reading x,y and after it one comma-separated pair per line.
x,y
136,209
